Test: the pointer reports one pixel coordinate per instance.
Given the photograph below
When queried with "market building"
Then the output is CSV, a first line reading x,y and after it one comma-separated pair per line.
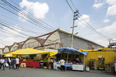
x,y
58,39
52,41
47,41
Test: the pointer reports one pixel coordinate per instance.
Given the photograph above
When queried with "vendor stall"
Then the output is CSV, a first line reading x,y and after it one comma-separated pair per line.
x,y
100,58
33,52
72,58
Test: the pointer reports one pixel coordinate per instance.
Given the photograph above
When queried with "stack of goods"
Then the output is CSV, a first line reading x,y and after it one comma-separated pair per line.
x,y
110,67
101,62
92,64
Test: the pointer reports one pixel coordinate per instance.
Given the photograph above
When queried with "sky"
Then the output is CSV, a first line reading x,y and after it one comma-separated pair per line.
x,y
96,21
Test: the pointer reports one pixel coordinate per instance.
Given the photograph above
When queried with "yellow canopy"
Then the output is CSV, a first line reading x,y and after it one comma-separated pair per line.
x,y
102,49
52,53
9,54
29,51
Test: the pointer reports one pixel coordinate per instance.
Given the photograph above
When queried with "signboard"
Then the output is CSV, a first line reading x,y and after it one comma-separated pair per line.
x,y
90,46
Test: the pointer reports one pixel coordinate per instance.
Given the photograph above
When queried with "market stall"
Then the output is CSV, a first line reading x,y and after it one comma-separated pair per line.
x,y
33,52
102,58
72,58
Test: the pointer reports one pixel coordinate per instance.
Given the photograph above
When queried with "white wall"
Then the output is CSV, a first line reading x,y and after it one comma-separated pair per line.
x,y
52,39
6,49
31,43
79,43
14,47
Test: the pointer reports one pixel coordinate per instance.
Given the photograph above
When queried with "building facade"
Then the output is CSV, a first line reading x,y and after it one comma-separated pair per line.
x,y
53,41
6,49
14,47
79,42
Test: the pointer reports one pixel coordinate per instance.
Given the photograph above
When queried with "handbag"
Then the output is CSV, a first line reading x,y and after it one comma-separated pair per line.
x,y
6,64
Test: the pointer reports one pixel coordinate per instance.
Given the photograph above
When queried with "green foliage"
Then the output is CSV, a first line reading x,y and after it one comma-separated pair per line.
x,y
43,60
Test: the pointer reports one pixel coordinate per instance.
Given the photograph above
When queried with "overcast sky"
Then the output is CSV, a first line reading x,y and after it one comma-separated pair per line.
x,y
100,14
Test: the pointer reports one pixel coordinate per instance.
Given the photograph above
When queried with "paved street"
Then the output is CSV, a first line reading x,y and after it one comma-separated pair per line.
x,y
36,72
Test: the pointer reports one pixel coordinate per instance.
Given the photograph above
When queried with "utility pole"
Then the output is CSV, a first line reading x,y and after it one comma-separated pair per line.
x,y
109,40
75,16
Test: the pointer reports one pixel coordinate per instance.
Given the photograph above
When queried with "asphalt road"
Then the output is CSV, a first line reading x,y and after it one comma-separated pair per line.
x,y
37,72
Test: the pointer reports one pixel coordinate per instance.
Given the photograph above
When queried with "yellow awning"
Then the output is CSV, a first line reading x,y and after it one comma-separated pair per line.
x,y
52,53
102,49
9,54
29,51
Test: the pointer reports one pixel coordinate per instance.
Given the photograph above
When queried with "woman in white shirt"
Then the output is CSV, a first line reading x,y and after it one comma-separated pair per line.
x,y
2,63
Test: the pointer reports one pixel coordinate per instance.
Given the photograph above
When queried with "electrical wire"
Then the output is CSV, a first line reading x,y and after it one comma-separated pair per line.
x,y
73,4
69,6
22,13
13,29
85,23
2,30
24,29
20,16
37,19
13,12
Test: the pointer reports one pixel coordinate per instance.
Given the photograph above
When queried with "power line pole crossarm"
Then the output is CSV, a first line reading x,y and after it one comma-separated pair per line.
x,y
74,18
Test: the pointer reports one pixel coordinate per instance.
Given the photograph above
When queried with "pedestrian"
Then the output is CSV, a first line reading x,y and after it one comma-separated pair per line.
x,y
14,63
9,63
6,62
62,63
55,65
17,63
2,63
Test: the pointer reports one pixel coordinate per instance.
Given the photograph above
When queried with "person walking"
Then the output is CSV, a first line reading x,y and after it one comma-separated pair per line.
x,y
9,63
62,63
2,63
6,62
55,65
17,63
14,63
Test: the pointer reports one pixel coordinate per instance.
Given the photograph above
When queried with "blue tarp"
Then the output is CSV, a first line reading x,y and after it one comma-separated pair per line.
x,y
85,52
114,50
70,51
